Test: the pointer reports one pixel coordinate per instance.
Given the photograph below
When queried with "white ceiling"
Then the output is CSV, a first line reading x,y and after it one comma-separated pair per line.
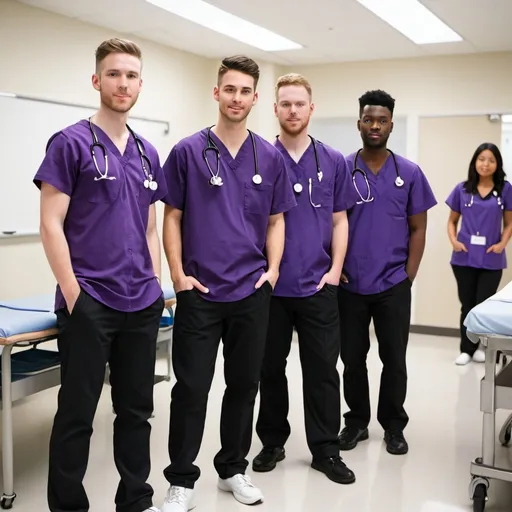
x,y
329,30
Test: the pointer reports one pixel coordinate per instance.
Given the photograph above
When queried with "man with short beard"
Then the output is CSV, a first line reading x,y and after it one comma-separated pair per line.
x,y
98,229
306,293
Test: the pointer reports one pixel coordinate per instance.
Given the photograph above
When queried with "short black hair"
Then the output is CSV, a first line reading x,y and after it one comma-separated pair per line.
x,y
471,184
376,97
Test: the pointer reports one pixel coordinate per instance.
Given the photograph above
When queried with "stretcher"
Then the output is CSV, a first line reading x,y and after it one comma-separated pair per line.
x,y
25,324
490,323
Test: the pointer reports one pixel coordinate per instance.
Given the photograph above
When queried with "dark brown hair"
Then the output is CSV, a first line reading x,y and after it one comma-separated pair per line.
x,y
239,63
116,45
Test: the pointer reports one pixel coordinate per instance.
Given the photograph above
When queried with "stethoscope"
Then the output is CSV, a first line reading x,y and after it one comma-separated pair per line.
x,y
494,193
144,160
399,182
216,180
298,188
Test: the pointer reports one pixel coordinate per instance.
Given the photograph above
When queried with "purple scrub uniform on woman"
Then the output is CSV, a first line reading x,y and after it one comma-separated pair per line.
x,y
378,287
116,317
298,303
477,272
223,246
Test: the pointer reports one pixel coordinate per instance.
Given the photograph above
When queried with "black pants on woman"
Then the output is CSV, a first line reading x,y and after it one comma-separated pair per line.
x,y
474,286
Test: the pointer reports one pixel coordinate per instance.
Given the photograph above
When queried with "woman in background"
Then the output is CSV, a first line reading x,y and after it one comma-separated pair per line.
x,y
484,201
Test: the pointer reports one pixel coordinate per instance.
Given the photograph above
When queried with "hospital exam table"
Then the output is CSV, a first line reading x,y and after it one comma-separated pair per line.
x,y
490,323
26,323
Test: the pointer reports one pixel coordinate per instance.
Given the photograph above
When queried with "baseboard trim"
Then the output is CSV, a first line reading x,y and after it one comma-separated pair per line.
x,y
435,331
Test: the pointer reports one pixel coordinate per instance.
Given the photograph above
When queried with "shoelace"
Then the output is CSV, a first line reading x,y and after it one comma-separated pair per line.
x,y
177,495
337,461
245,481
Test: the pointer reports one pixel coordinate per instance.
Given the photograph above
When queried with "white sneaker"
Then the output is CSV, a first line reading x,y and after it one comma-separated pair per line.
x,y
242,488
479,356
179,499
463,359
152,509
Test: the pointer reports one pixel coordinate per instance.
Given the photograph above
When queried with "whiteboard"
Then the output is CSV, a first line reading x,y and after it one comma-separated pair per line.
x,y
342,134
25,127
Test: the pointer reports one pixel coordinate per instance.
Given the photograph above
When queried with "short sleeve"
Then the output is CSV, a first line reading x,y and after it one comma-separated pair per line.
x,y
283,197
507,196
158,177
453,200
174,171
345,195
421,197
60,165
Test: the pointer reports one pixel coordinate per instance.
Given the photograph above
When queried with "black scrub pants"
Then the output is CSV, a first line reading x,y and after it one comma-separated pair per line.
x,y
474,285
317,323
92,336
199,325
391,313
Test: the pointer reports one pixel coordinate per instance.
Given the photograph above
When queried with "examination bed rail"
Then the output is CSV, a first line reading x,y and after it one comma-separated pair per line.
x,y
26,323
490,323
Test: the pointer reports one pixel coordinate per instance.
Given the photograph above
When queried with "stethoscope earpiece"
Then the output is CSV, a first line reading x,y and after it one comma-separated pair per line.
x,y
399,182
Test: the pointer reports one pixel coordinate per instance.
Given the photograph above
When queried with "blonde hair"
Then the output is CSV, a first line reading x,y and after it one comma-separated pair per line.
x,y
116,45
293,79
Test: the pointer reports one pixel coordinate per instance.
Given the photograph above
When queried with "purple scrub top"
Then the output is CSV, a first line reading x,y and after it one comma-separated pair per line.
x,y
483,218
307,252
378,245
224,228
106,222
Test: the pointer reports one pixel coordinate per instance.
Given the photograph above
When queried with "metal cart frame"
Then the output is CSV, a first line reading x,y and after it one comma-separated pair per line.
x,y
32,383
495,393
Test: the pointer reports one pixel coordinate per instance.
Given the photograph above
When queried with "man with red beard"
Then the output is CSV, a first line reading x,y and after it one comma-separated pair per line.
x,y
305,296
99,182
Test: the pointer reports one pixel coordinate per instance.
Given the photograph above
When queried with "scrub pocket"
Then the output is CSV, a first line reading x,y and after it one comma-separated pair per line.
x,y
258,198
322,195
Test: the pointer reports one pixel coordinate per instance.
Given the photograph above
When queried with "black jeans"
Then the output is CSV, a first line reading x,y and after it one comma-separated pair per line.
x,y
199,326
474,285
391,313
89,338
317,323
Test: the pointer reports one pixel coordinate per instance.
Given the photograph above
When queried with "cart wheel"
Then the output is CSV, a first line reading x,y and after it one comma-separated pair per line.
x,y
7,501
479,498
506,433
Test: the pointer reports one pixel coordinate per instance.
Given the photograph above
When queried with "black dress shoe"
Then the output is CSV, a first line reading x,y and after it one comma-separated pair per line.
x,y
350,436
395,442
335,469
267,459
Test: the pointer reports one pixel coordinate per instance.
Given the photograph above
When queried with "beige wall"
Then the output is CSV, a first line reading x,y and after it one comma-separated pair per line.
x,y
52,57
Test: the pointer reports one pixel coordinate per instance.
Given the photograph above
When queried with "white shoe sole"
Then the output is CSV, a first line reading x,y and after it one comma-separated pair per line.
x,y
255,500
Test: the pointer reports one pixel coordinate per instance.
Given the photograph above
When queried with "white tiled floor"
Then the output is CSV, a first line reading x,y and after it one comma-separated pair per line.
x,y
444,435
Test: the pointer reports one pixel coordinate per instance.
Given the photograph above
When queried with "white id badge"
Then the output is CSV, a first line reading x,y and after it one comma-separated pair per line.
x,y
478,240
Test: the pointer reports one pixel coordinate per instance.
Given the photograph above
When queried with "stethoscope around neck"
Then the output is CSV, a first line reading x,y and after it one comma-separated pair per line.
x,y
298,188
494,193
148,183
216,180
399,182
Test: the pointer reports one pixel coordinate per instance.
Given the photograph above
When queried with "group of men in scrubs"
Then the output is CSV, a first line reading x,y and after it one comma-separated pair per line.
x,y
261,239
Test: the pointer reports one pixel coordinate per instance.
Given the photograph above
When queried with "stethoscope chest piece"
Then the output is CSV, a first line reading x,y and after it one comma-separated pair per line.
x,y
297,188
399,182
256,179
216,181
152,185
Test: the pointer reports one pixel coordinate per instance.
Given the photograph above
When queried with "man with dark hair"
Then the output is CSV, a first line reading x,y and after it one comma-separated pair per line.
x,y
224,239
387,231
